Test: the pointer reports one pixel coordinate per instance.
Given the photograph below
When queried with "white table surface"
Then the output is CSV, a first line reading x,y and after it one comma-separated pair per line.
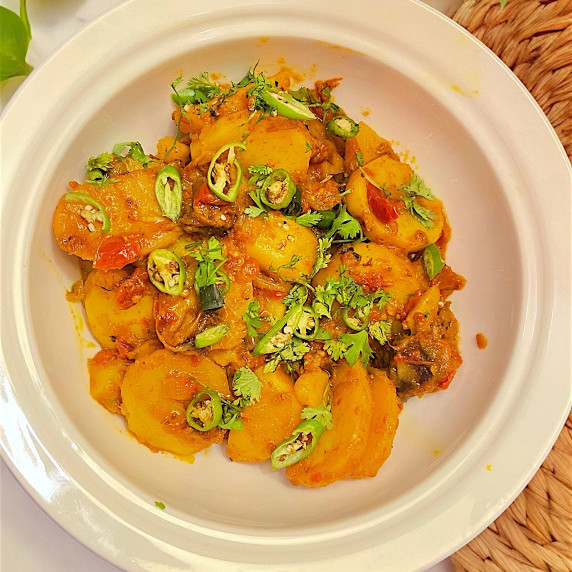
x,y
29,539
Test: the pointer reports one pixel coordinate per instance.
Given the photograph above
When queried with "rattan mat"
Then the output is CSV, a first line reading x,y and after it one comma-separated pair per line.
x,y
534,38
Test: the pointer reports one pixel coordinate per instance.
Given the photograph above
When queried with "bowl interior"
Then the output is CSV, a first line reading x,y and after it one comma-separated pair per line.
x,y
447,151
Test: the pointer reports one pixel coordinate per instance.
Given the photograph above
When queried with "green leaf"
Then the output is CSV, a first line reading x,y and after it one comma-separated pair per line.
x,y
297,296
358,345
416,186
309,219
346,226
160,505
503,3
335,348
380,330
14,42
252,318
247,386
135,151
323,414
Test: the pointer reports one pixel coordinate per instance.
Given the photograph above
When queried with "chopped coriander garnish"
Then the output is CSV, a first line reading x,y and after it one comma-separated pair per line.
x,y
160,505
252,318
380,330
246,386
411,190
310,218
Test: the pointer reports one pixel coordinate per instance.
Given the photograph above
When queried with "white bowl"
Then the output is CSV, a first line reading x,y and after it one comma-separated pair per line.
x,y
460,456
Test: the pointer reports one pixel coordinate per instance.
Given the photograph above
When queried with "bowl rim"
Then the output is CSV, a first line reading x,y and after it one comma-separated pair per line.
x,y
547,147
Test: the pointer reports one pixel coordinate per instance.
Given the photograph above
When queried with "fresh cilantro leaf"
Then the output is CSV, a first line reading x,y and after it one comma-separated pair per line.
x,y
380,330
346,226
14,42
309,218
98,168
323,414
324,256
335,348
287,266
253,211
297,295
294,350
414,188
247,386
160,505
199,90
210,260
252,318
135,151
357,345
382,297
259,174
324,297
305,95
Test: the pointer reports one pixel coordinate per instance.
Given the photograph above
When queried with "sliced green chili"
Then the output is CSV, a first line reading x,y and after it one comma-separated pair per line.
x,y
342,126
204,411
298,446
211,335
308,324
220,177
169,192
280,333
166,271
278,189
432,261
358,320
286,105
210,298
88,213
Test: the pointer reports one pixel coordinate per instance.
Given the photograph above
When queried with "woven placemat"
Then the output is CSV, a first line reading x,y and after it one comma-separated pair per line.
x,y
534,38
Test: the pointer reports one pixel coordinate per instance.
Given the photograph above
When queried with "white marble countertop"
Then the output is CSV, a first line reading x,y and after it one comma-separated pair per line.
x,y
29,538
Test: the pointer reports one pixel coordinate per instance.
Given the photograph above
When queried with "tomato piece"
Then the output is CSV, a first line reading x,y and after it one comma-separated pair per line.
x,y
380,205
205,196
115,252
132,289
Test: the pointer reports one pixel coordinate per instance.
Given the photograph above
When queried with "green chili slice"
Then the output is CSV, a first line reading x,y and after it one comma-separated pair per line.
x,y
211,335
278,189
358,320
280,333
166,271
204,411
89,214
295,206
224,177
342,126
169,192
298,446
432,261
307,326
286,105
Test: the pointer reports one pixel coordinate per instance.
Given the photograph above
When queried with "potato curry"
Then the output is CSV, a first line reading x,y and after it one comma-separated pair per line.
x,y
271,279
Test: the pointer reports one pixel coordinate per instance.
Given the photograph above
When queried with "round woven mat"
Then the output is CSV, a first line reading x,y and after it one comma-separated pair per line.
x,y
534,38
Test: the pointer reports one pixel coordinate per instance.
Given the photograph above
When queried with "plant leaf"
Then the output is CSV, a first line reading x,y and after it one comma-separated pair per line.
x,y
14,44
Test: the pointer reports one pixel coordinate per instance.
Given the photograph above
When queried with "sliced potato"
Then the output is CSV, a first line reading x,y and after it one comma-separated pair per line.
x,y
106,371
340,449
156,391
406,231
384,421
275,242
108,322
268,421
137,223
